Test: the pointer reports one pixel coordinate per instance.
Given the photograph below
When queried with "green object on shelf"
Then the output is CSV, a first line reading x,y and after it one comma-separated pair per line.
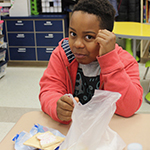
x,y
129,48
34,7
147,97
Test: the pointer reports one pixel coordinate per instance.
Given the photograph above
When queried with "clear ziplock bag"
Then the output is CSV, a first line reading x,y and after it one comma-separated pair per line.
x,y
89,129
23,136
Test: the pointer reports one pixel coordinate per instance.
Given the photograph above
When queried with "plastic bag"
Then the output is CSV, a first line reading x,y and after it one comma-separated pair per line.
x,y
89,129
20,139
24,136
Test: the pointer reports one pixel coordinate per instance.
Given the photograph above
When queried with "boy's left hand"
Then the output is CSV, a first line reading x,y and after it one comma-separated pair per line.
x,y
106,41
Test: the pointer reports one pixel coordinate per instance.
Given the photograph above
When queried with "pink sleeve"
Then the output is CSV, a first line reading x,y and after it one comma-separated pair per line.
x,y
120,73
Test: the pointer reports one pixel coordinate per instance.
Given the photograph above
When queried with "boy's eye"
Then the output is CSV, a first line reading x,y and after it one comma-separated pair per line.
x,y
72,34
89,37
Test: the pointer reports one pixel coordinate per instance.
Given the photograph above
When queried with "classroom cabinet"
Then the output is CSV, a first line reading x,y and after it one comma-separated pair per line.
x,y
46,39
44,53
21,39
51,25
19,25
34,38
22,53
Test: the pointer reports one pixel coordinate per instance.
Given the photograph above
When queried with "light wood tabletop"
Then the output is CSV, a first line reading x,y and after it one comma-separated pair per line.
x,y
133,129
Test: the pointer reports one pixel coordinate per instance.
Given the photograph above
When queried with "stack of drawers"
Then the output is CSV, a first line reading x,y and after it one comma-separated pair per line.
x,y
34,38
3,62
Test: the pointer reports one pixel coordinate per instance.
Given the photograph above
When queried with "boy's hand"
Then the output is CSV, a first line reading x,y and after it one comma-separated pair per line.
x,y
65,107
106,41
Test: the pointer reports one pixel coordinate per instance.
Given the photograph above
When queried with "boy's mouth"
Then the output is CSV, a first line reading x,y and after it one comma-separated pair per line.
x,y
79,56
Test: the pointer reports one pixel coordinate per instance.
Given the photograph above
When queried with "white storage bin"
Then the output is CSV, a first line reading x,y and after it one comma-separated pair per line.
x,y
3,66
2,54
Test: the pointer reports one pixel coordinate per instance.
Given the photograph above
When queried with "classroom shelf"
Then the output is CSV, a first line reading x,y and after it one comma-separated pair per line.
x,y
5,4
33,38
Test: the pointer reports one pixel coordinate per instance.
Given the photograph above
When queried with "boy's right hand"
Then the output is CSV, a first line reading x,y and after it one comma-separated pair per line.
x,y
65,107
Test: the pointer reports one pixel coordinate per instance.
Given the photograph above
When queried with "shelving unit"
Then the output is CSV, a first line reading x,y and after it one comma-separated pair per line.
x,y
5,4
145,44
32,39
3,62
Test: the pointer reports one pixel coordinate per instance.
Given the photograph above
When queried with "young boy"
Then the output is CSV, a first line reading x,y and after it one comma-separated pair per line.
x,y
89,59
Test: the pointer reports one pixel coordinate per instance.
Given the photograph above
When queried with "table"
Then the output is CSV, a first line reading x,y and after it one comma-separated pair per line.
x,y
133,129
133,30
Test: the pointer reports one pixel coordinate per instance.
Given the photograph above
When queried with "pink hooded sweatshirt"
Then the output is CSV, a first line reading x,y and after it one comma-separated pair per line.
x,y
119,73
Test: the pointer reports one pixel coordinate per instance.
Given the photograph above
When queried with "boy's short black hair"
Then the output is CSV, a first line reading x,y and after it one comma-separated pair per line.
x,y
101,8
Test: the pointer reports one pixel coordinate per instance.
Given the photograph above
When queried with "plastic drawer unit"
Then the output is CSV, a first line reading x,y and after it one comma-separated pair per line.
x,y
2,54
3,65
34,38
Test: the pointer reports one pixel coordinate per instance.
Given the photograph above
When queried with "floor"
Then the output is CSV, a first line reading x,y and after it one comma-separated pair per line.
x,y
19,90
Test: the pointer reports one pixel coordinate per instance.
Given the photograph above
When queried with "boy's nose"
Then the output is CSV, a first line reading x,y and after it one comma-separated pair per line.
x,y
79,43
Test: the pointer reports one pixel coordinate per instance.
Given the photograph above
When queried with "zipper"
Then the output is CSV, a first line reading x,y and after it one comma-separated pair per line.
x,y
102,83
102,86
70,79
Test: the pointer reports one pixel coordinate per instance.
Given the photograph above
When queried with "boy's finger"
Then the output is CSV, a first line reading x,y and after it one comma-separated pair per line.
x,y
77,99
67,100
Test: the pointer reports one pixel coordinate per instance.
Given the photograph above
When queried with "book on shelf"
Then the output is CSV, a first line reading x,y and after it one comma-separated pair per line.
x,y
144,14
149,11
146,11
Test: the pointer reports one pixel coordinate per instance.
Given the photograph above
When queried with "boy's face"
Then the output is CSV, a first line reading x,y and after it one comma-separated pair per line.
x,y
83,30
